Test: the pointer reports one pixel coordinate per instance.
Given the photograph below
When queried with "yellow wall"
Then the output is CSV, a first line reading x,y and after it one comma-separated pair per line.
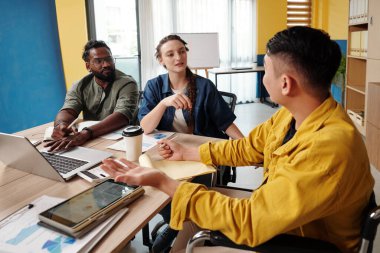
x,y
328,15
332,17
271,18
72,28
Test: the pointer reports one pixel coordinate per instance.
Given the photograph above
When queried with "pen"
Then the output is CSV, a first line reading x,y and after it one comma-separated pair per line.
x,y
72,125
170,138
13,216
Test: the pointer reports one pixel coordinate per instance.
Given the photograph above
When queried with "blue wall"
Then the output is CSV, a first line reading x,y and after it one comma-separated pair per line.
x,y
32,86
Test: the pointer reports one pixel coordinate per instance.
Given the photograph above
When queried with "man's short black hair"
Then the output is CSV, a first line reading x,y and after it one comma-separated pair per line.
x,y
90,45
311,52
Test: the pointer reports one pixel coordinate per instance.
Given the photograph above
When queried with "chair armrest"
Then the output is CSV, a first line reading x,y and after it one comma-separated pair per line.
x,y
370,227
283,243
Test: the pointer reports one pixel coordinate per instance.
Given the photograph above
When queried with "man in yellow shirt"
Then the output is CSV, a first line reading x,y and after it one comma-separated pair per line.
x,y
317,179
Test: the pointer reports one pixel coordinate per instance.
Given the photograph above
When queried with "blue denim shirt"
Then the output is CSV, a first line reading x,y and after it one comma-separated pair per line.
x,y
212,116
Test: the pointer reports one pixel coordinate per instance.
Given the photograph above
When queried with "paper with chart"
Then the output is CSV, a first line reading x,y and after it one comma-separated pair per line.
x,y
178,170
149,141
20,232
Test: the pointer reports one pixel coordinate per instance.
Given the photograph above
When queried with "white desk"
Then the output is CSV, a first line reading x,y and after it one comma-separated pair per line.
x,y
260,74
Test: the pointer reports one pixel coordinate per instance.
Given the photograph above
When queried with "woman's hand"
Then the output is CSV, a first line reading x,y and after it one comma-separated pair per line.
x,y
178,101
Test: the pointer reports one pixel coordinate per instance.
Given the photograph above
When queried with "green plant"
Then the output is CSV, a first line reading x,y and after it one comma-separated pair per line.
x,y
340,75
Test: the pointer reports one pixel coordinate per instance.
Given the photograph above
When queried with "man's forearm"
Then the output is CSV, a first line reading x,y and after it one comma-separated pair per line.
x,y
191,154
113,122
167,185
234,132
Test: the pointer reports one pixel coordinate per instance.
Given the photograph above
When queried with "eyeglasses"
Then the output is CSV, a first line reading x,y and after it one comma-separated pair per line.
x,y
97,62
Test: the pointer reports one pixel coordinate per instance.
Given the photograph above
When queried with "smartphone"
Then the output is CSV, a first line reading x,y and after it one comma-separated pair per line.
x,y
79,214
94,175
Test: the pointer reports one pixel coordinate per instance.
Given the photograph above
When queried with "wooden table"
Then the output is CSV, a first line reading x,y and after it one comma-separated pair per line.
x,y
17,189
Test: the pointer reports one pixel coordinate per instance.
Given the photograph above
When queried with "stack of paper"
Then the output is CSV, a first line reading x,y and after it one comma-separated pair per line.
x,y
149,141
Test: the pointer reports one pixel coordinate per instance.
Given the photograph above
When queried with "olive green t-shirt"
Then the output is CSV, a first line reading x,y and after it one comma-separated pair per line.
x,y
98,103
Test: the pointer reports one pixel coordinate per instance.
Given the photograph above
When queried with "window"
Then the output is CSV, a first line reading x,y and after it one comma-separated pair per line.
x,y
299,13
115,22
233,20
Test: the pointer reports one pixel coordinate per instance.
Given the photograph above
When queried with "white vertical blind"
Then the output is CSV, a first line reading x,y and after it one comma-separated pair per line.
x,y
298,13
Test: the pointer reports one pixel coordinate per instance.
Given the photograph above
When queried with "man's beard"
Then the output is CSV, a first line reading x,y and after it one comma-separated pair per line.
x,y
107,78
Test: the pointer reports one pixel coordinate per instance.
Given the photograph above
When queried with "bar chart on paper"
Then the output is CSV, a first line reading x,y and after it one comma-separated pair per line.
x,y
20,232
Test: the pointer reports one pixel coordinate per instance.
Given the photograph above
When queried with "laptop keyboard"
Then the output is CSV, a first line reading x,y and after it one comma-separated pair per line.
x,y
63,164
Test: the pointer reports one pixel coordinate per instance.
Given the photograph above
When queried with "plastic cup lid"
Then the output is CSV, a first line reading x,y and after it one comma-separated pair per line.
x,y
132,131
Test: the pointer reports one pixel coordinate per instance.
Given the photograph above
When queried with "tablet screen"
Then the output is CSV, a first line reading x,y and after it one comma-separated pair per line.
x,y
80,207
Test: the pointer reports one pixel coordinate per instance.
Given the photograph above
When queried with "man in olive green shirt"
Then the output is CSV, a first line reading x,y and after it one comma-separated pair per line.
x,y
106,95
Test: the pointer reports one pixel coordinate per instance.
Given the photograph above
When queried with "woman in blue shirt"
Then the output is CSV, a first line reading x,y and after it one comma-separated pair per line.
x,y
181,101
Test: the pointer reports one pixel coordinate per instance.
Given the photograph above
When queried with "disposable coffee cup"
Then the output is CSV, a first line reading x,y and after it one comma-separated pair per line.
x,y
133,142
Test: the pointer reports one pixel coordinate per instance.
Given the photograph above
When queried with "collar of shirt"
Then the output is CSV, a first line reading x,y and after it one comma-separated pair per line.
x,y
166,85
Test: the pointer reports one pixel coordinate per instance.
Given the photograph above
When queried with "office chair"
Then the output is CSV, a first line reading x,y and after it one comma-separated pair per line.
x,y
230,99
292,244
226,174
135,120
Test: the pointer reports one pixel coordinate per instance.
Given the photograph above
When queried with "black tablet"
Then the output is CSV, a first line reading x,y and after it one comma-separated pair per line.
x,y
78,214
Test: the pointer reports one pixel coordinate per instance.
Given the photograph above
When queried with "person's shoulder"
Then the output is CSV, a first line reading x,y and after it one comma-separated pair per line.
x,y
158,80
204,83
83,81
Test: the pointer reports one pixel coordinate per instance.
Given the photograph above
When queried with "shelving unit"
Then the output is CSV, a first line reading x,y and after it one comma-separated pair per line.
x,y
356,83
363,73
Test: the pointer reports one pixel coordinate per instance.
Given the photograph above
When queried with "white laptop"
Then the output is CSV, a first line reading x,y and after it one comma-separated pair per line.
x,y
19,153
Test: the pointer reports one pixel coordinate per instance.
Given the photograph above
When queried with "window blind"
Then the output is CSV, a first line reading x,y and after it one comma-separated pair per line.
x,y
298,13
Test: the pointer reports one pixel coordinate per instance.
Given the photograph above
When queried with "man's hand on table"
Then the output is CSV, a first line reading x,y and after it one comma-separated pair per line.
x,y
76,139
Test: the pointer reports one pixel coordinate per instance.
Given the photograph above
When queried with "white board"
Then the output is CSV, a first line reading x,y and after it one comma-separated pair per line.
x,y
203,49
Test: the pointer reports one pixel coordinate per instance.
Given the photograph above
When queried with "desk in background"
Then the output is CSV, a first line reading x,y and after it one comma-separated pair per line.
x,y
260,74
17,189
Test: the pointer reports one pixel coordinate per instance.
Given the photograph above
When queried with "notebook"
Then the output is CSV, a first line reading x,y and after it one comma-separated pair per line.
x,y
19,153
178,170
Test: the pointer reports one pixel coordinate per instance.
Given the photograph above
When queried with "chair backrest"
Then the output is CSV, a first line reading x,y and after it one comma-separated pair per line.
x,y
135,120
230,99
141,96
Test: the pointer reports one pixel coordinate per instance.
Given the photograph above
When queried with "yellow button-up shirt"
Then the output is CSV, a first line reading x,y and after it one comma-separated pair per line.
x,y
315,185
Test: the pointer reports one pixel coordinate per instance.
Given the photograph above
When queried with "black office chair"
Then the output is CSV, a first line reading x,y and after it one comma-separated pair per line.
x,y
226,174
135,120
285,243
230,99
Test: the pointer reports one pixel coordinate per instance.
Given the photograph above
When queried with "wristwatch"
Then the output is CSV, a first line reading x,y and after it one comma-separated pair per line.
x,y
90,131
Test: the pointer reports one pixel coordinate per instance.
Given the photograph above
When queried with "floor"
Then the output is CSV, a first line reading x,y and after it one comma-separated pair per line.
x,y
248,116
